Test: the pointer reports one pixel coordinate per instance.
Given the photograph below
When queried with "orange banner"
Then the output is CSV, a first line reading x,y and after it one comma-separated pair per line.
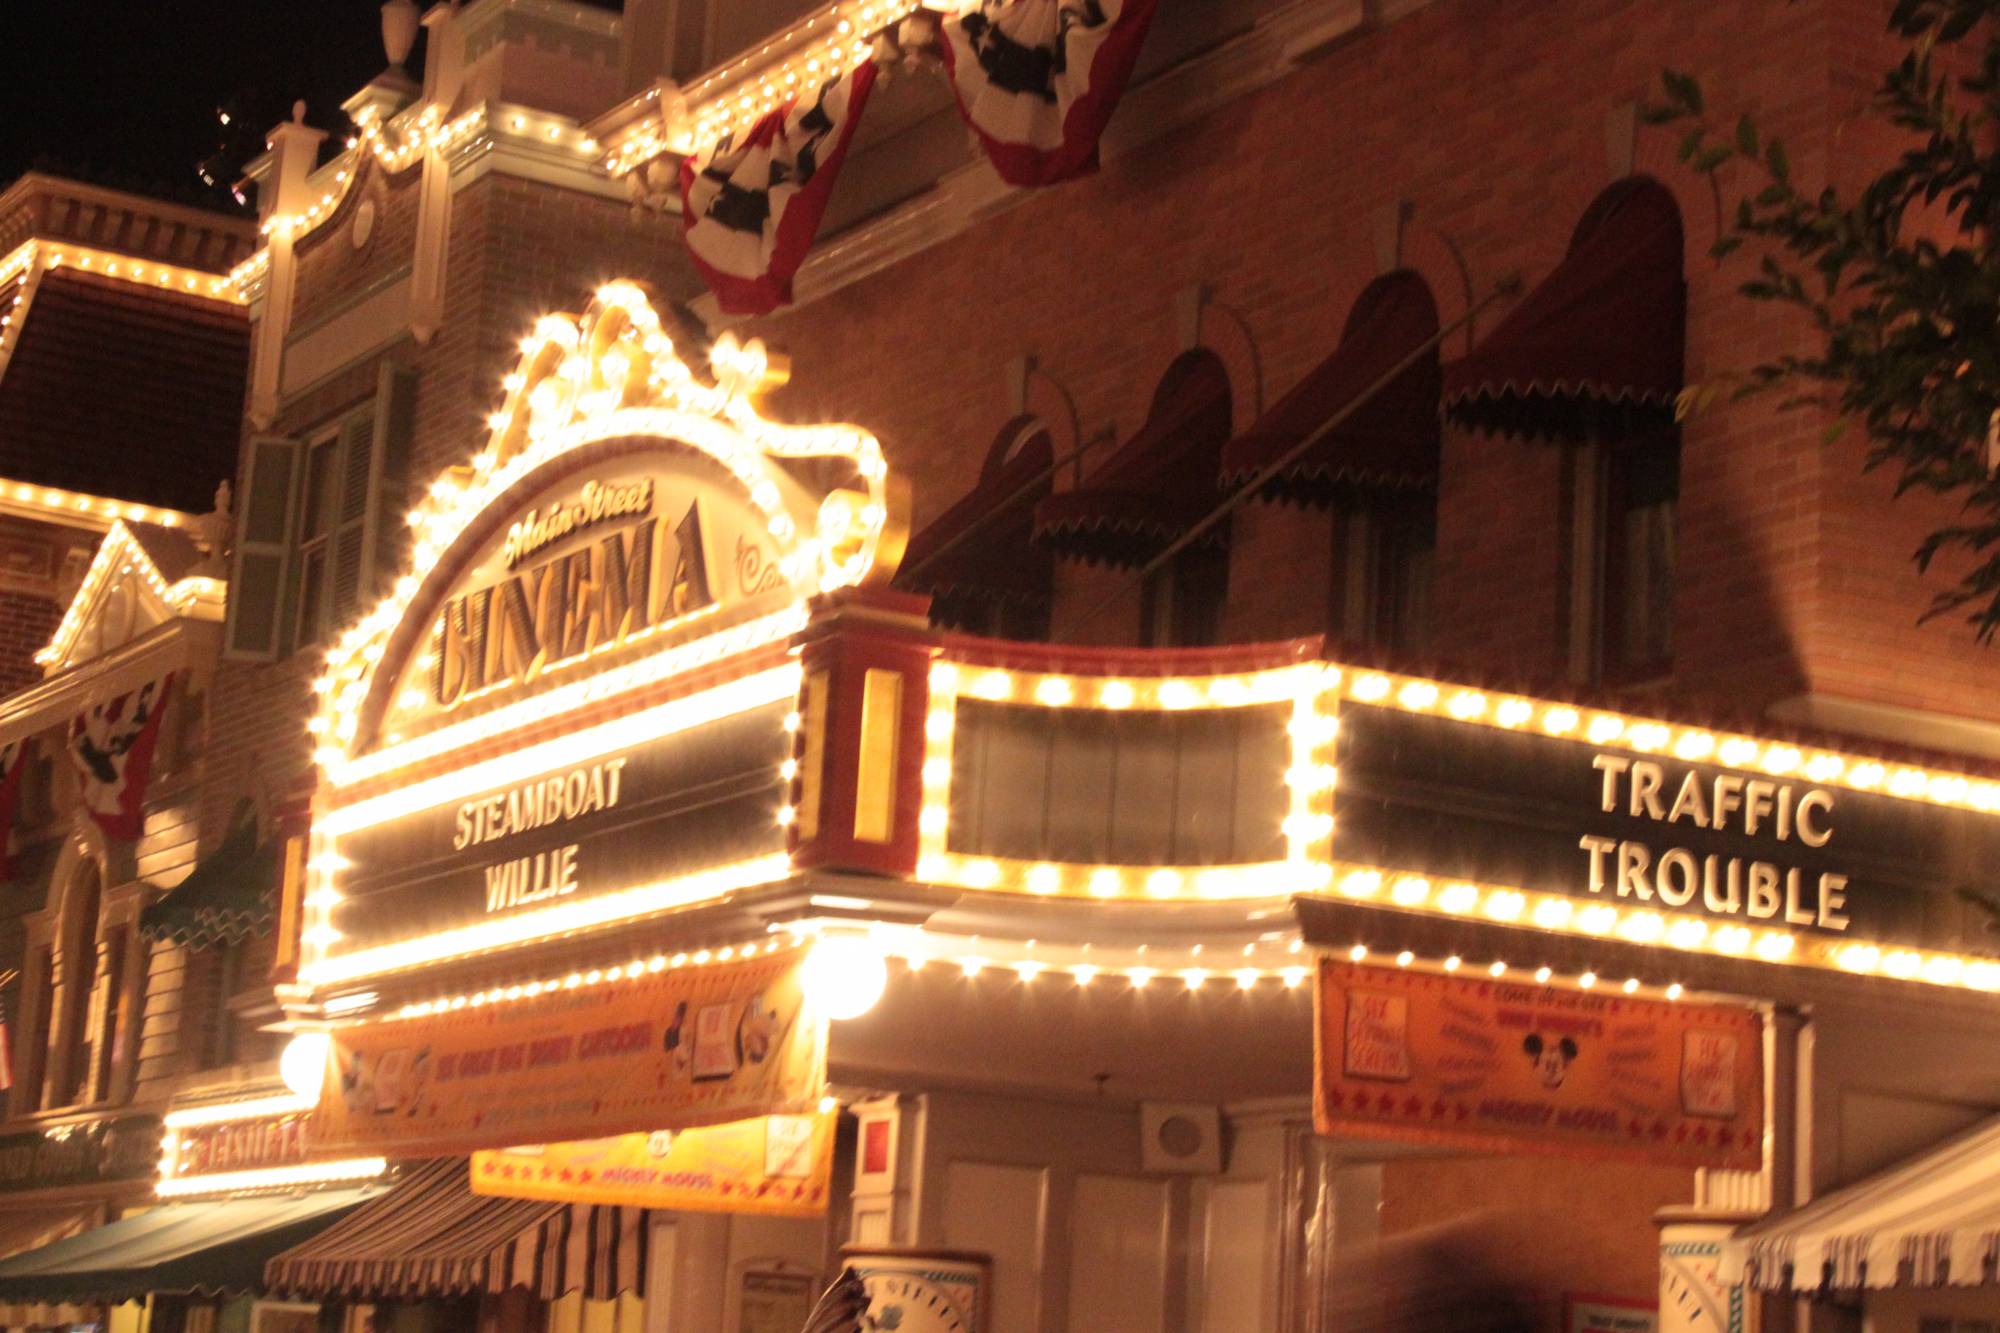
x,y
1490,1064
675,1049
772,1165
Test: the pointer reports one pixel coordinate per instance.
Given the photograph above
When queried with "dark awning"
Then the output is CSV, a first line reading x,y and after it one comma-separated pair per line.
x,y
432,1236
978,550
213,1247
1390,441
1595,350
1160,483
230,895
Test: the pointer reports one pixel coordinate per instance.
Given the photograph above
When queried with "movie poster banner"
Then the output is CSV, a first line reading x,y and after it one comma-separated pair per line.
x,y
1486,1063
770,1165
675,1049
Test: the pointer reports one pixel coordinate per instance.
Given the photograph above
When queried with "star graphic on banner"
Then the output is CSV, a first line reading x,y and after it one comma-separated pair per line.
x,y
1463,1110
1680,1133
1438,1109
1385,1104
1413,1105
1659,1131
1701,1134
1333,1097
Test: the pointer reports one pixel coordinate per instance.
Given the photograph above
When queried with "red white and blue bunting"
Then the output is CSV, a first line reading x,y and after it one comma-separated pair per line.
x,y
111,747
751,204
1037,80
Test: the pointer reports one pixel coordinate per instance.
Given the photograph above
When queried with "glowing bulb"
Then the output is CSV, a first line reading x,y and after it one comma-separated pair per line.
x,y
844,976
302,1064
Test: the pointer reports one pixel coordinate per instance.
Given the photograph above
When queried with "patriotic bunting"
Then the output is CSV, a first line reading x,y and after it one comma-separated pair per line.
x,y
13,762
750,206
1037,80
111,745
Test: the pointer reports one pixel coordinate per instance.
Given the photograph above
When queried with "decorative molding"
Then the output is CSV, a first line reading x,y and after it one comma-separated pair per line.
x,y
1889,722
372,320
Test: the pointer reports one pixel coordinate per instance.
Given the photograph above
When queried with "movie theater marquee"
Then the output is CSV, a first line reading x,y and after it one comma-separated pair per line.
x,y
495,733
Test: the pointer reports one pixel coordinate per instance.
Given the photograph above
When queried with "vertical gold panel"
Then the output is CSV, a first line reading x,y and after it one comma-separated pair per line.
x,y
875,765
291,899
812,762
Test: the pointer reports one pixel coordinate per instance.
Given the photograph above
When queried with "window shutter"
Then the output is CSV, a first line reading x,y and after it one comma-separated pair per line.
x,y
263,550
368,540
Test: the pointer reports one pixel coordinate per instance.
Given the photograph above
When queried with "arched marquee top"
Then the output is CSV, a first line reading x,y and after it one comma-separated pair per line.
x,y
586,392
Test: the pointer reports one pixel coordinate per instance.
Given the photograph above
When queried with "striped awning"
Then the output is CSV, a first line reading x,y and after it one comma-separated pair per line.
x,y
1932,1221
431,1235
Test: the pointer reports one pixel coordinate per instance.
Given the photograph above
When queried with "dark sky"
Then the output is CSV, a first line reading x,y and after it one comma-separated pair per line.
x,y
126,91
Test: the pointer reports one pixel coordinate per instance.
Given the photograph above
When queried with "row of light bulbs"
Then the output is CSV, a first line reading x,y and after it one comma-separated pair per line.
x,y
28,256
119,555
721,420
1507,712
728,101
422,132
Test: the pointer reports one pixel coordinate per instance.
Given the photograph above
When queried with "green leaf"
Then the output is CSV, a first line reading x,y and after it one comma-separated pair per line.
x,y
1779,163
1746,136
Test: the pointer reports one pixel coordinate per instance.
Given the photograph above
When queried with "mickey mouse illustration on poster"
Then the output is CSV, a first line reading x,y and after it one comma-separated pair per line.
x,y
1551,1059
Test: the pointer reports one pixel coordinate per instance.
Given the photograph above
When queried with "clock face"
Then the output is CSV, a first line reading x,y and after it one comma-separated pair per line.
x,y
899,1303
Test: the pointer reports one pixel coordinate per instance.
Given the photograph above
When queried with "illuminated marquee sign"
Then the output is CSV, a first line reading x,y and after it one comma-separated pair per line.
x,y
1455,800
531,733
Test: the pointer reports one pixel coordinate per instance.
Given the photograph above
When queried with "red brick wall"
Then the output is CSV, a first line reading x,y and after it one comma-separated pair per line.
x,y
1490,120
332,271
26,624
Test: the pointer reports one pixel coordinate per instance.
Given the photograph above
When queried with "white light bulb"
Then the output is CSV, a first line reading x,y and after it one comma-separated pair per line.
x,y
302,1065
844,976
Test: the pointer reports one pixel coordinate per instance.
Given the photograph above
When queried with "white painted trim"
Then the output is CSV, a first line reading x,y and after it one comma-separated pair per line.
x,y
377,319
1889,722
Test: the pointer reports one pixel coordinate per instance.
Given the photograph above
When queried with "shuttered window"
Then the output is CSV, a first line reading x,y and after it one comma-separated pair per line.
x,y
263,551
322,526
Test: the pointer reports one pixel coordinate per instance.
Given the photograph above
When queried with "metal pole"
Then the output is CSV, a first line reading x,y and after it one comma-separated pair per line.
x,y
1507,286
986,519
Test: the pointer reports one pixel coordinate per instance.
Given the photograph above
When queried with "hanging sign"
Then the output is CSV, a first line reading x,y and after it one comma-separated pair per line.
x,y
678,1048
1493,1065
771,1165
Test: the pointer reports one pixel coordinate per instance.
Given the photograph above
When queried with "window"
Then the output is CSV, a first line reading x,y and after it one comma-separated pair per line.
x,y
1384,556
1642,487
77,964
1181,604
322,526
315,539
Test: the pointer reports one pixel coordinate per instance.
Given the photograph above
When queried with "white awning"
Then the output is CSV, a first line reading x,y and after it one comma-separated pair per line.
x,y
1932,1221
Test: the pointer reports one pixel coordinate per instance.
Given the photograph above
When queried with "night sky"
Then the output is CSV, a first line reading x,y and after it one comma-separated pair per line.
x,y
126,92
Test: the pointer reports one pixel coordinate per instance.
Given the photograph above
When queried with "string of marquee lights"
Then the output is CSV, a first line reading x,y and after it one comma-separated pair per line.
x,y
1307,826
615,373
42,255
612,373
1200,967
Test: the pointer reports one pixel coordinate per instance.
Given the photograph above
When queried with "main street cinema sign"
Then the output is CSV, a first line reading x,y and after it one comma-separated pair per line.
x,y
573,711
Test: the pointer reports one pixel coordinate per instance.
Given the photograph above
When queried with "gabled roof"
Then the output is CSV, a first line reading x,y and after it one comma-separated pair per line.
x,y
162,562
110,388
